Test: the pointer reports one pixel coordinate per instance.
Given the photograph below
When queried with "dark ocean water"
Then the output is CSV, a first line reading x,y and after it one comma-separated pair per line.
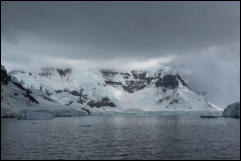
x,y
121,137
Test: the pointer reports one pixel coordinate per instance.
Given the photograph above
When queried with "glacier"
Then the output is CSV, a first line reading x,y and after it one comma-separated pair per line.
x,y
35,115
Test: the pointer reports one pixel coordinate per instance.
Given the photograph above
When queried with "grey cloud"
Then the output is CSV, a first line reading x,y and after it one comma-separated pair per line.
x,y
204,37
139,27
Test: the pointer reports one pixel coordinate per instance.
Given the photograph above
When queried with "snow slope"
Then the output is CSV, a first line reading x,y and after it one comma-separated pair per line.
x,y
14,99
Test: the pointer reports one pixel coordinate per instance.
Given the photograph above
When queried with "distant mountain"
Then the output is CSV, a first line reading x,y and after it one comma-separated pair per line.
x,y
104,91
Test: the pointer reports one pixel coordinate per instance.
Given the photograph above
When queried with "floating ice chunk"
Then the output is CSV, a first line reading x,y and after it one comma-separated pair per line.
x,y
69,113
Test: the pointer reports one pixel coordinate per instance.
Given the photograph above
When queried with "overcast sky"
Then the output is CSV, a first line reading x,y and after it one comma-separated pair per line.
x,y
201,39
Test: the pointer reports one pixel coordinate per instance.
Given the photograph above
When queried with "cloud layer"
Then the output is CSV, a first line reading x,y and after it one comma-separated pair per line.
x,y
201,39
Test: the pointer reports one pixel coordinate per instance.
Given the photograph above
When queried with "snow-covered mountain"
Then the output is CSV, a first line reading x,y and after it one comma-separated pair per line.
x,y
102,91
74,92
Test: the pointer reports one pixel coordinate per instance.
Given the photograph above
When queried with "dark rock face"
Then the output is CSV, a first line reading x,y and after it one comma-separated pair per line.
x,y
5,78
82,98
158,74
64,72
232,110
75,93
108,74
46,72
165,99
174,101
58,91
102,103
86,110
31,98
133,86
70,102
113,83
49,71
19,85
139,75
182,81
48,99
125,75
168,81
137,80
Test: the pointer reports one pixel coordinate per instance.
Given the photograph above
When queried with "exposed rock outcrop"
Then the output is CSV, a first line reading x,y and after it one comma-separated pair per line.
x,y
168,81
64,72
5,78
102,103
137,80
232,110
